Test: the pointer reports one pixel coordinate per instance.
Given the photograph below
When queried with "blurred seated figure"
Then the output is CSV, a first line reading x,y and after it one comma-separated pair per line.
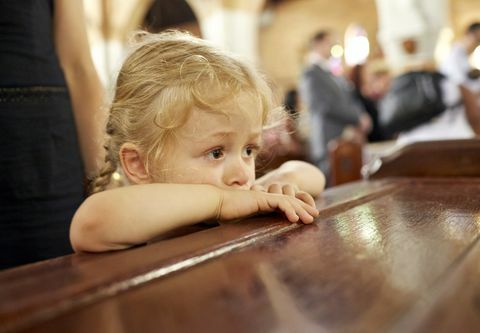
x,y
421,103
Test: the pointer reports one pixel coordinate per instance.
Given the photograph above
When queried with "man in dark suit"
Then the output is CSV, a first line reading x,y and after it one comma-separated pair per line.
x,y
329,101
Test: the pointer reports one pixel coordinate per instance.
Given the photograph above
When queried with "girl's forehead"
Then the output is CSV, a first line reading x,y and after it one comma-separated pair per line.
x,y
235,118
205,125
244,106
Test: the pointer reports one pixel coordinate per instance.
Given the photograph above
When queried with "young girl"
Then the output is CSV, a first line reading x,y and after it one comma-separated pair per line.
x,y
185,126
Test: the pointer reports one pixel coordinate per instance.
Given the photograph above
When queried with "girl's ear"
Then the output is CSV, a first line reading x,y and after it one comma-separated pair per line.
x,y
132,164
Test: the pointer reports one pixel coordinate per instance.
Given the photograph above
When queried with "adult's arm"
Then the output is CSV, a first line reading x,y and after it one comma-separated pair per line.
x,y
85,89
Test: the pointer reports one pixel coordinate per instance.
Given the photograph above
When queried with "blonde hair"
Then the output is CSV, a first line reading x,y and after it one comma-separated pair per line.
x,y
161,81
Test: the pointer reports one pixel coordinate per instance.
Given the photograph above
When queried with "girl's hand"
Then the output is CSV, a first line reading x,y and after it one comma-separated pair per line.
x,y
287,189
296,205
299,174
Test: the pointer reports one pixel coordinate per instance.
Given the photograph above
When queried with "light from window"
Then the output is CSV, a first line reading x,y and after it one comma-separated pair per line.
x,y
357,46
476,58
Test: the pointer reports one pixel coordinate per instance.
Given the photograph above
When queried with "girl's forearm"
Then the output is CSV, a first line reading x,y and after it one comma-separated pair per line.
x,y
119,218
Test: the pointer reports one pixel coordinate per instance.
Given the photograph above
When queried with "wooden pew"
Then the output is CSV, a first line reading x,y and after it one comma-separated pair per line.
x,y
346,160
452,158
396,254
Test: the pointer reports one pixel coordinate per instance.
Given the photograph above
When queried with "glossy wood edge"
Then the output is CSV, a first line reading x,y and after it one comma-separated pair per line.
x,y
446,158
28,294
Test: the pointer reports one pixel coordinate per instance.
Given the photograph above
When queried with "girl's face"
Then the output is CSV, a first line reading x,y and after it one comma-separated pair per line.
x,y
216,149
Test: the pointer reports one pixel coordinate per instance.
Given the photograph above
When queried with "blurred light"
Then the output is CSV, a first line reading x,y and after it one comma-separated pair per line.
x,y
476,58
444,44
357,50
116,176
336,51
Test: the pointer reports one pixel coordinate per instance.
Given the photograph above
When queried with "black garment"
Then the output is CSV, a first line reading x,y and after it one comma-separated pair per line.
x,y
413,99
41,170
370,107
27,52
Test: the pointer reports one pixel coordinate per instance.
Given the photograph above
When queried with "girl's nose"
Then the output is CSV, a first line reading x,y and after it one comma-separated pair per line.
x,y
237,174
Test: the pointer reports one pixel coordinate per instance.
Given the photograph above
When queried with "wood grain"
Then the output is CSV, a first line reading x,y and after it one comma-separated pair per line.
x,y
378,249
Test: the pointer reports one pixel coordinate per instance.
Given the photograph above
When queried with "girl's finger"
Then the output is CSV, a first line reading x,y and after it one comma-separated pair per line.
x,y
305,216
287,208
294,209
298,211
312,210
305,197
275,188
288,190
304,212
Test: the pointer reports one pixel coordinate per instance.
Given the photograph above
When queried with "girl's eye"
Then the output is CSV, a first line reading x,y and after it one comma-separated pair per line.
x,y
215,154
251,151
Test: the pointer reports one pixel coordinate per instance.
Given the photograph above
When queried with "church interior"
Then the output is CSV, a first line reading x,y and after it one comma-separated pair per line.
x,y
355,210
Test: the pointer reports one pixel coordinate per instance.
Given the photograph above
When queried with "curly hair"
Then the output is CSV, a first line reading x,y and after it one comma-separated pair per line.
x,y
164,78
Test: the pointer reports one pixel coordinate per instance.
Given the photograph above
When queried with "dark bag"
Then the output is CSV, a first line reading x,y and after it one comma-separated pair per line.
x,y
413,99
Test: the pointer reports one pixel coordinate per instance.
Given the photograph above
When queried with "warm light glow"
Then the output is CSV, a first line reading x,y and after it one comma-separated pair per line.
x,y
356,50
116,176
337,51
444,44
357,46
476,58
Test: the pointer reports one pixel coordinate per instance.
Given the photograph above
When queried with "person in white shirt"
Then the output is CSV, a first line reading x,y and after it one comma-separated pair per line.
x,y
456,65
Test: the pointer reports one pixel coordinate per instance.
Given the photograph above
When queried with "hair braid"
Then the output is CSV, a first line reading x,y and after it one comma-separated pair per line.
x,y
104,177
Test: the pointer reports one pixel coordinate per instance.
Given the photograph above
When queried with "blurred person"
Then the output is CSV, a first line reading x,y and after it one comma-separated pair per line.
x,y
456,65
329,101
421,103
50,98
377,79
370,84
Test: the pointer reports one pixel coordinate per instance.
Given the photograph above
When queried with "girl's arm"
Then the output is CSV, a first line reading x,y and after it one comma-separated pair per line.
x,y
120,218
306,177
85,89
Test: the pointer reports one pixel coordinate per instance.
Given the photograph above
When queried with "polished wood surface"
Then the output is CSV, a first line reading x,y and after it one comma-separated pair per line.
x,y
345,157
449,158
387,255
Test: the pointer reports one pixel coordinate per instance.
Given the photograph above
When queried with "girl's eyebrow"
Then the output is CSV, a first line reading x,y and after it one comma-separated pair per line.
x,y
229,133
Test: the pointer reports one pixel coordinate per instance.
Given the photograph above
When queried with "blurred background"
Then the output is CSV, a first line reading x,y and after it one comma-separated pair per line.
x,y
273,34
